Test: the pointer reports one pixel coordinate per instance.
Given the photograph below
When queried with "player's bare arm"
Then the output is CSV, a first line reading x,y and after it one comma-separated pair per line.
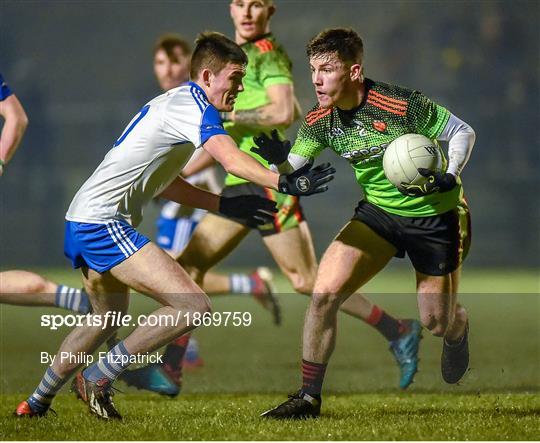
x,y
202,162
281,111
15,125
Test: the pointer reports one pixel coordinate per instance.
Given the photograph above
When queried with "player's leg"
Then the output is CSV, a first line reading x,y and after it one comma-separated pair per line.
x,y
107,295
437,266
154,273
352,259
26,288
294,253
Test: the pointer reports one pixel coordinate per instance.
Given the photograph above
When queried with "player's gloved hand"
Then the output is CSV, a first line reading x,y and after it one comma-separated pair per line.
x,y
306,181
436,182
273,150
256,210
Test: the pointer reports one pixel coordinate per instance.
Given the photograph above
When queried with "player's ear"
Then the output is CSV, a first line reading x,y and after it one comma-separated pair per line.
x,y
271,10
356,72
206,75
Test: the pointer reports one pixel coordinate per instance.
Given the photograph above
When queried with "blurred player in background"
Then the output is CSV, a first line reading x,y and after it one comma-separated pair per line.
x,y
23,287
100,235
430,222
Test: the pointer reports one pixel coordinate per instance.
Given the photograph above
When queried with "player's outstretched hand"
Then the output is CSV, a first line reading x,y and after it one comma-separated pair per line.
x,y
306,181
273,150
436,182
256,210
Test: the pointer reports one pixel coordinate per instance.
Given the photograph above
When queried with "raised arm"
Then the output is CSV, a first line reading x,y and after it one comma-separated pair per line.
x,y
15,125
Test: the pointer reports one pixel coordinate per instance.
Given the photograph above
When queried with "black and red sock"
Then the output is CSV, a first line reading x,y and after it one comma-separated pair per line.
x,y
312,377
174,352
387,325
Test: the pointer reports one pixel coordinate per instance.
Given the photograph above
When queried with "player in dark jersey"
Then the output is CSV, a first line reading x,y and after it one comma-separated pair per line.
x,y
357,118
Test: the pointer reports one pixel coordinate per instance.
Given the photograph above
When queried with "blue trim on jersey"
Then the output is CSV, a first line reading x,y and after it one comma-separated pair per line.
x,y
101,246
211,124
5,92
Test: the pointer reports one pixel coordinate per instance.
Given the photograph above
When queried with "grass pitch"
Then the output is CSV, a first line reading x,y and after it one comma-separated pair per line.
x,y
248,370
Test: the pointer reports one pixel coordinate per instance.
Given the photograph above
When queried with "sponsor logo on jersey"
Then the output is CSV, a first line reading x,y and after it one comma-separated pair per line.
x,y
302,183
379,125
365,155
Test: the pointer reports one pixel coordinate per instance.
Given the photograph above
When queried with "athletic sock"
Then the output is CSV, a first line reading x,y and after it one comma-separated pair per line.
x,y
241,283
387,325
174,352
111,366
72,299
42,397
312,378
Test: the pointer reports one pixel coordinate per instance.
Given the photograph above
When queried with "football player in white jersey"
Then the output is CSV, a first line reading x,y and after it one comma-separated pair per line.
x,y
100,235
176,223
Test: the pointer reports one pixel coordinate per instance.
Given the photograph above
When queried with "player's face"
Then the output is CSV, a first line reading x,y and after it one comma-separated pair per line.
x,y
251,19
171,73
331,78
224,87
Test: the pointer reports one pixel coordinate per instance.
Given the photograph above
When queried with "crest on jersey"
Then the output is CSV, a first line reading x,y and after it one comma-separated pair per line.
x,y
379,125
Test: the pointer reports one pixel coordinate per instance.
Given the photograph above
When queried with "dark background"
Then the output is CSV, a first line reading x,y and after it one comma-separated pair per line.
x,y
83,69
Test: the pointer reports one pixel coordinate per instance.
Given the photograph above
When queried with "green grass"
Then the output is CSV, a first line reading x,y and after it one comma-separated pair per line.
x,y
248,370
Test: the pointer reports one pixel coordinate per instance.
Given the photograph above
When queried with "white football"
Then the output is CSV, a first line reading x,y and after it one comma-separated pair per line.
x,y
406,154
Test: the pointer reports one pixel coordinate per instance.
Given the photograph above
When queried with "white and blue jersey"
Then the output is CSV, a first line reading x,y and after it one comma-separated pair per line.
x,y
5,92
147,157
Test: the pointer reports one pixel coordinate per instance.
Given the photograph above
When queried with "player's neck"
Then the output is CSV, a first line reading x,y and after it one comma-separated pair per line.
x,y
241,40
353,99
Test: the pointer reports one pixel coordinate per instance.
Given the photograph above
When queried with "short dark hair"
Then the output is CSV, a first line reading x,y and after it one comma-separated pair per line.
x,y
344,42
213,51
168,42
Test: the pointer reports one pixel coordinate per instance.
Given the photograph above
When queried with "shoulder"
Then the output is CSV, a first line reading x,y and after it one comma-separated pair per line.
x,y
391,98
317,115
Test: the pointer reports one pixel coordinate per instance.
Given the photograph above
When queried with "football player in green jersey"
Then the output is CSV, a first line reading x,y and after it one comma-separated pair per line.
x,y
357,118
268,104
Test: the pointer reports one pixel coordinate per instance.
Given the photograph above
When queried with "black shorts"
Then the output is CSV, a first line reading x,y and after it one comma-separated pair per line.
x,y
436,245
289,213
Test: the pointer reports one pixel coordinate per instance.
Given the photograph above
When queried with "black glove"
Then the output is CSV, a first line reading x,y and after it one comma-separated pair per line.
x,y
252,208
306,181
436,181
273,150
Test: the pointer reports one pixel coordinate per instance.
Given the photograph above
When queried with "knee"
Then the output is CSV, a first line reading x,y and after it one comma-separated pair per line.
x,y
303,283
325,300
202,304
36,284
195,272
436,322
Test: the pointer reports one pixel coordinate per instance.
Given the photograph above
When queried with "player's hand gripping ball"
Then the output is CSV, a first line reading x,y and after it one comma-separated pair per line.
x,y
413,164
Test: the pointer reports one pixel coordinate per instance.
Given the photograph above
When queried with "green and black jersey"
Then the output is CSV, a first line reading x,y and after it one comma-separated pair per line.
x,y
361,136
268,64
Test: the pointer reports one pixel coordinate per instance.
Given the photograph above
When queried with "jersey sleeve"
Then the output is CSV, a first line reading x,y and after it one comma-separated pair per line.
x,y
307,144
425,116
5,92
274,69
195,124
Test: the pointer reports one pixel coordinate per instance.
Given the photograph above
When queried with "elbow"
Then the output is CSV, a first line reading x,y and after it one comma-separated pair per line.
x,y
284,119
22,122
